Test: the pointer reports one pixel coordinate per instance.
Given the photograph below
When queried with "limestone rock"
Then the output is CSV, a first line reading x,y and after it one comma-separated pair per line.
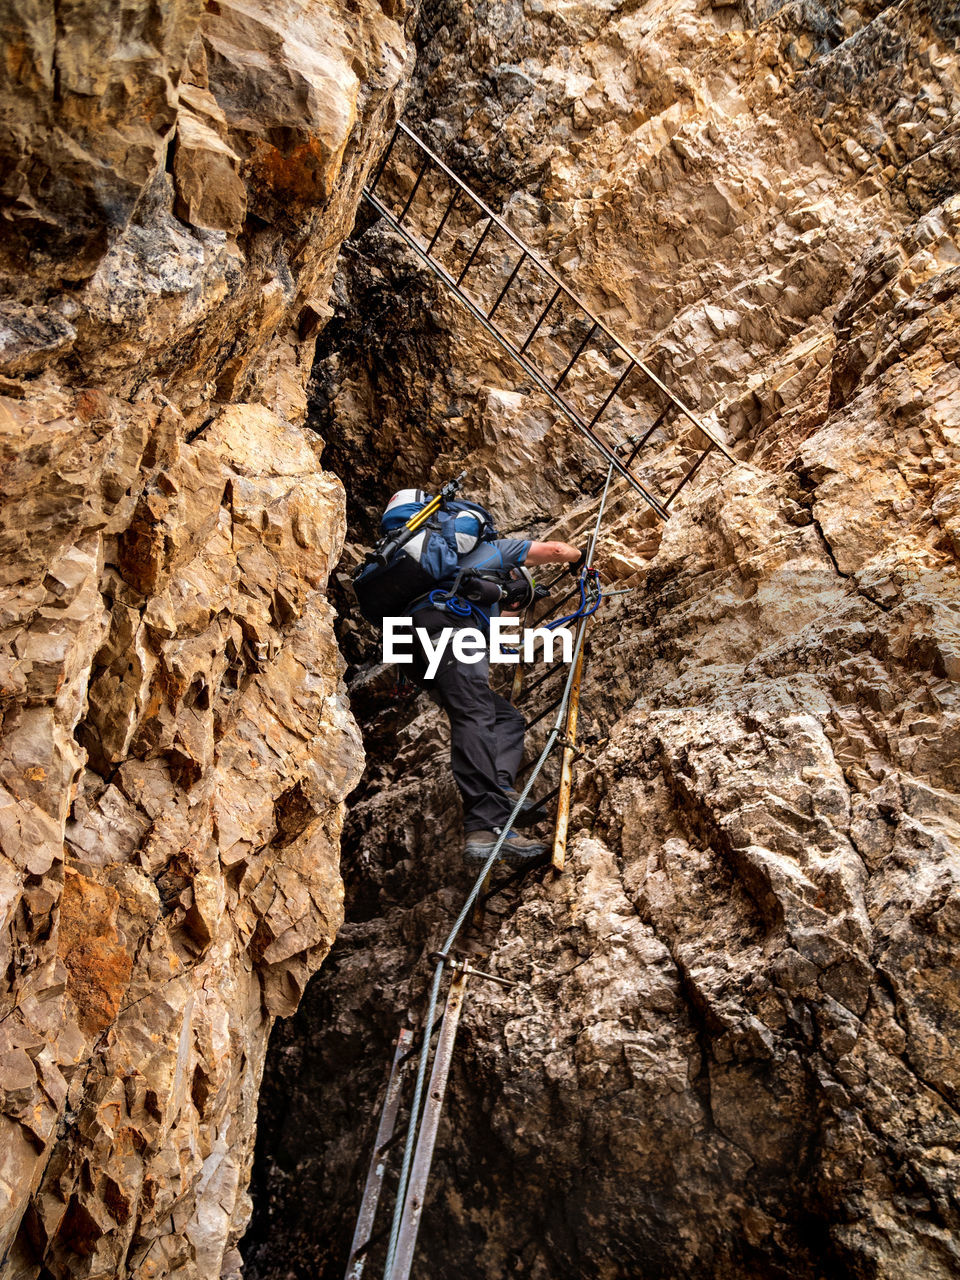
x,y
176,739
210,191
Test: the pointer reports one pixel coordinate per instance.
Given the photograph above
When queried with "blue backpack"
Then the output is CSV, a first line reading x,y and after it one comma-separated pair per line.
x,y
428,559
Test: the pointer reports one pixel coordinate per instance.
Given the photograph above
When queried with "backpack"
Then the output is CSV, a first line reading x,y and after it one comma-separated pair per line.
x,y
428,559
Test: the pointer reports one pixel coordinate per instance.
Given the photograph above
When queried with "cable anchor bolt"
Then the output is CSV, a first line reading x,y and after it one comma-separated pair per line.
x,y
462,966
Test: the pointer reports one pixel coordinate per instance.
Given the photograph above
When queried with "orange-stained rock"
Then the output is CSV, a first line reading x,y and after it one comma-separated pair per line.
x,y
93,951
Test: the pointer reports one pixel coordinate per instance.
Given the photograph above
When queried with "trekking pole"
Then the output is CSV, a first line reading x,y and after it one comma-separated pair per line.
x,y
424,514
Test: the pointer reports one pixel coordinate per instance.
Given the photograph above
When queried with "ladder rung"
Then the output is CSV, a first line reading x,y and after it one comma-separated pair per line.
x,y
392,1142
416,187
383,163
690,474
514,876
369,1244
418,1043
659,421
553,581
526,767
443,221
555,608
616,387
551,671
575,357
543,714
543,315
475,251
547,798
510,279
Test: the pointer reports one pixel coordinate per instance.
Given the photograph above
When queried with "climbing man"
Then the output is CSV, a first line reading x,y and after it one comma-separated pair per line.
x,y
486,731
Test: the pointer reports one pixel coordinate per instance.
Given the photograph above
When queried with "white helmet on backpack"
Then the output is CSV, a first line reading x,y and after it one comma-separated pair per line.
x,y
404,504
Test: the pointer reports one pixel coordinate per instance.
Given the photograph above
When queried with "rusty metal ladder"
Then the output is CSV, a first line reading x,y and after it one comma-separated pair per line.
x,y
365,1237
393,192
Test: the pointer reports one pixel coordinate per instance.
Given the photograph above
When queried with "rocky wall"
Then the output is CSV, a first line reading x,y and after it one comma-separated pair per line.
x,y
731,1051
176,740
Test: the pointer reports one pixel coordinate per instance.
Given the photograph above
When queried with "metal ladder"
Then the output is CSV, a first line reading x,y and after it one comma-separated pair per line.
x,y
365,1238
393,192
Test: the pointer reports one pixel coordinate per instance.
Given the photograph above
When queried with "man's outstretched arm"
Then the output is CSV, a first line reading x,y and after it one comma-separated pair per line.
x,y
551,553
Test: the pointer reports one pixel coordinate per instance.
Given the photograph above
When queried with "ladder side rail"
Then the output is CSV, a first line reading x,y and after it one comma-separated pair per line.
x,y
548,271
375,1174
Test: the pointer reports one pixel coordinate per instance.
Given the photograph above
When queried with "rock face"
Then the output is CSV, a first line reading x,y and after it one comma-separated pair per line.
x,y
732,1051
176,181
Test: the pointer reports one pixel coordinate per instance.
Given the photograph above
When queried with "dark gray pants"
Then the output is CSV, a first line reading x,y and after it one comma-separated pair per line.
x,y
486,731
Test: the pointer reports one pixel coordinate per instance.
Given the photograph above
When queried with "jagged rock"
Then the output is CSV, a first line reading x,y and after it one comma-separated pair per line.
x,y
176,738
30,336
210,192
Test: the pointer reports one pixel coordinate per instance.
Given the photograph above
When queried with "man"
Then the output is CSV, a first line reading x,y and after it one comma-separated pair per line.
x,y
486,731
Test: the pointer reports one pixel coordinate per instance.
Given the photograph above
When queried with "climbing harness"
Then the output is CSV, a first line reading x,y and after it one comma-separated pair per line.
x,y
600,387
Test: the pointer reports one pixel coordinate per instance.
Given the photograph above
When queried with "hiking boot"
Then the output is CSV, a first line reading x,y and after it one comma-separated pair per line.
x,y
530,814
516,849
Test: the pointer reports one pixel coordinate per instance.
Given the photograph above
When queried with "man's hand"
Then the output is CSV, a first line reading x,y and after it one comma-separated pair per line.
x,y
577,567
